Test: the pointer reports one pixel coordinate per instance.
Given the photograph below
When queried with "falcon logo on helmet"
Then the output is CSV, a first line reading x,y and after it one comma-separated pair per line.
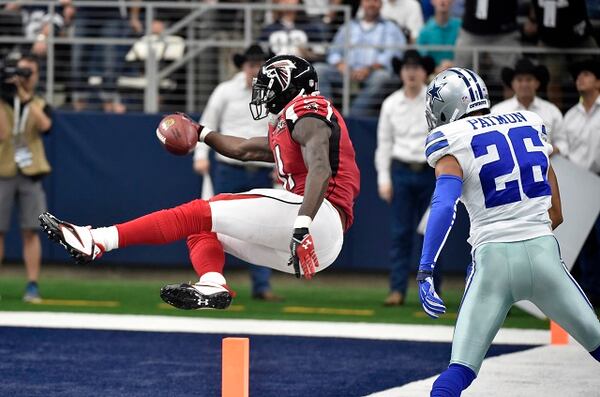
x,y
281,71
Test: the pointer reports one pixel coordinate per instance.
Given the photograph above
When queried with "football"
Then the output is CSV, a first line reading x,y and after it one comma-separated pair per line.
x,y
178,134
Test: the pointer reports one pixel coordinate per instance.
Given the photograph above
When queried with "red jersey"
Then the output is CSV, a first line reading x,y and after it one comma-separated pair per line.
x,y
344,183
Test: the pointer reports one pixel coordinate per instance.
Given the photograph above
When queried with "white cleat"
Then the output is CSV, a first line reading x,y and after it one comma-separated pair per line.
x,y
77,240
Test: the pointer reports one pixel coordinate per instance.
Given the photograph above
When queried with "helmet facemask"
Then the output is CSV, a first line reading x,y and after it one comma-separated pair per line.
x,y
429,116
262,94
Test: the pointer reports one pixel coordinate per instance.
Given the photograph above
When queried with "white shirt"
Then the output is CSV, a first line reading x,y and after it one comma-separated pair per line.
x,y
406,13
227,111
578,138
503,158
548,111
401,131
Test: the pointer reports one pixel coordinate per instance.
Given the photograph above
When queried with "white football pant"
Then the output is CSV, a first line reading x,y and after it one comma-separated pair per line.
x,y
257,227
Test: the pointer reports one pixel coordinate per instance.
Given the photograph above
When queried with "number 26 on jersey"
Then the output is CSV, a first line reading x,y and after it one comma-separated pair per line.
x,y
517,148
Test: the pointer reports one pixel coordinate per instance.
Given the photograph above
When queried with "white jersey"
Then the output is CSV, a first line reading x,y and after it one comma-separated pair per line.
x,y
504,158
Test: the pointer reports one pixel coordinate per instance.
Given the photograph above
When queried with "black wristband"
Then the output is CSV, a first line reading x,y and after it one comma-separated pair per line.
x,y
423,274
300,232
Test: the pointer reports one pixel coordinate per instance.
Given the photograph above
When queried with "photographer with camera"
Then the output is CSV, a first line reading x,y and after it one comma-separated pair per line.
x,y
24,117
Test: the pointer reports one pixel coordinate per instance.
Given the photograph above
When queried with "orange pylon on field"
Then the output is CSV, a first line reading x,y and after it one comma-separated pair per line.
x,y
235,379
558,336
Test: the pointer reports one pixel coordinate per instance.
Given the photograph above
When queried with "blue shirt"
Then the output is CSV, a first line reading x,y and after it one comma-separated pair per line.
x,y
432,33
383,33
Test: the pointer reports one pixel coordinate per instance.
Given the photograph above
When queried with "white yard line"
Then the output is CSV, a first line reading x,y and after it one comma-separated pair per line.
x,y
549,371
125,322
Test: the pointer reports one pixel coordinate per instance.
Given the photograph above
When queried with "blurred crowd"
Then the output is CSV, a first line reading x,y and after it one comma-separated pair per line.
x,y
101,63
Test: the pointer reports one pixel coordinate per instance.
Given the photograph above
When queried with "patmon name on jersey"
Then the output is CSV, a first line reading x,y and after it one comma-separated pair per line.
x,y
488,121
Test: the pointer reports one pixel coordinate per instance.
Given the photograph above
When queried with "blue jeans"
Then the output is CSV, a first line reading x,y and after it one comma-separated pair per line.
x,y
236,179
412,195
372,90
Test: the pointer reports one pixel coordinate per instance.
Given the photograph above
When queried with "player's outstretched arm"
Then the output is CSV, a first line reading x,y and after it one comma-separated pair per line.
x,y
313,136
245,149
555,210
441,218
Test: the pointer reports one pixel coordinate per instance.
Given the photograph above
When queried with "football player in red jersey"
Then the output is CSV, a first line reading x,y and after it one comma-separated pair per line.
x,y
297,230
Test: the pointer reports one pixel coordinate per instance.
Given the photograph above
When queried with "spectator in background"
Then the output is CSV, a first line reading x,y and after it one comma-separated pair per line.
x,y
24,117
319,11
404,180
38,21
227,110
374,41
526,80
337,18
489,23
293,33
406,13
560,24
457,10
578,139
167,48
440,29
38,24
96,67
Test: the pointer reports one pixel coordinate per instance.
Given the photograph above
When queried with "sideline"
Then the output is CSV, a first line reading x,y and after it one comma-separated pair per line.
x,y
147,323
549,371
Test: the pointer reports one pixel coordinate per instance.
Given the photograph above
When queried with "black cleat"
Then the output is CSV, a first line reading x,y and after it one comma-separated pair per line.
x,y
203,295
77,240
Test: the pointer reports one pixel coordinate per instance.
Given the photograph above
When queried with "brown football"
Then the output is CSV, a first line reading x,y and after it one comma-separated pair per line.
x,y
178,134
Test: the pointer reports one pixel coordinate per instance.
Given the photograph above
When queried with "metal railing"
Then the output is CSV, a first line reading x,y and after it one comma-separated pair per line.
x,y
208,33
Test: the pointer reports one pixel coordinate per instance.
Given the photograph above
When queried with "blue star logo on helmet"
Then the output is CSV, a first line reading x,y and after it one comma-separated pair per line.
x,y
434,92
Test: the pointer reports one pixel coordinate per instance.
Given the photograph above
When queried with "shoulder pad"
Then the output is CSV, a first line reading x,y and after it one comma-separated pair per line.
x,y
314,106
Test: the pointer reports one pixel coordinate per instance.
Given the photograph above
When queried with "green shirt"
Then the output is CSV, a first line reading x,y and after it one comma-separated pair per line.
x,y
434,34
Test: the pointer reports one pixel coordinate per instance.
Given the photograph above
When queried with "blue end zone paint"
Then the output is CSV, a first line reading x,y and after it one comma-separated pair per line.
x,y
58,362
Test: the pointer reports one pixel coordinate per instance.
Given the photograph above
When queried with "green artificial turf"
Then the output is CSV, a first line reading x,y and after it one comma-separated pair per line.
x,y
303,301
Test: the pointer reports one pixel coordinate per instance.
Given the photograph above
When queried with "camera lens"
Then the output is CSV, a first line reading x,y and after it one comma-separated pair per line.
x,y
24,72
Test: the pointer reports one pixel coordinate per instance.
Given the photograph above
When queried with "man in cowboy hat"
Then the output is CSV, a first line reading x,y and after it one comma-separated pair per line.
x,y
526,79
578,139
227,110
404,180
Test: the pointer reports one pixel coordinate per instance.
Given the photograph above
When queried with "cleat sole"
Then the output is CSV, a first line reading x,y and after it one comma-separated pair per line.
x,y
186,297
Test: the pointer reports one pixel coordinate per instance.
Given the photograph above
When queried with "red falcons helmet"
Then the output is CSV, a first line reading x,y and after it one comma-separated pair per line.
x,y
280,80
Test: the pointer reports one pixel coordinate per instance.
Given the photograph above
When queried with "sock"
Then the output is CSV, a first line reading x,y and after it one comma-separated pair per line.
x,y
166,226
206,254
452,381
108,237
217,278
596,354
213,277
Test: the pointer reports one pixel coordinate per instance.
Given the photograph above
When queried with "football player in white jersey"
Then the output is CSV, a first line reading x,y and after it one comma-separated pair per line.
x,y
497,165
